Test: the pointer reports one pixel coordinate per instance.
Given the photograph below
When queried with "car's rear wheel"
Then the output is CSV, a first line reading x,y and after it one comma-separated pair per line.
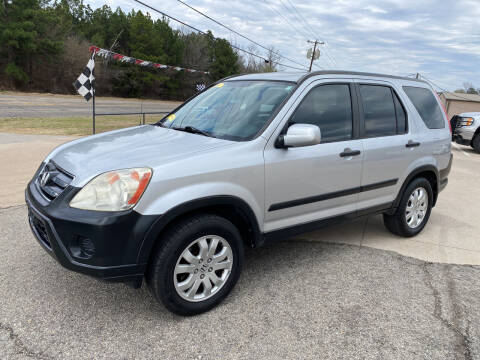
x,y
197,265
413,211
476,143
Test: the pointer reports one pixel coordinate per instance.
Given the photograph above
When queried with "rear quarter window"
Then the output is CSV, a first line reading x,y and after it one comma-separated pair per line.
x,y
426,105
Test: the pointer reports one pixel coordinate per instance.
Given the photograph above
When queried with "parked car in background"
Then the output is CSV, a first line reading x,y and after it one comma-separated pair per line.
x,y
466,129
252,159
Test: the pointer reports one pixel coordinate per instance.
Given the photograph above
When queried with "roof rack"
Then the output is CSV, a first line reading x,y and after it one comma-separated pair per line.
x,y
340,72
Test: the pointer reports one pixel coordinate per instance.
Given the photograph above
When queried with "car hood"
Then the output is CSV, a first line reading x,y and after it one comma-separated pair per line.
x,y
142,146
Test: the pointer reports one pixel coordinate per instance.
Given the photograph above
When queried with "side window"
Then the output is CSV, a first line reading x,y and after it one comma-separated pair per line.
x,y
330,108
401,116
426,105
378,110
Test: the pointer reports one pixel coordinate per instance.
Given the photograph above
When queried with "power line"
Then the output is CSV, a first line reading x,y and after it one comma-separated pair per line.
x,y
301,21
299,18
286,19
236,32
328,55
204,33
306,25
312,30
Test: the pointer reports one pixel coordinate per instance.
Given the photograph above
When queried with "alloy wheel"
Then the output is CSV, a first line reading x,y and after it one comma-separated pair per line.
x,y
417,207
203,268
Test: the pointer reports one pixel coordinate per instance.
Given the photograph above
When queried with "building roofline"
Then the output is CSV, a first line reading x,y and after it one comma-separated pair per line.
x,y
448,95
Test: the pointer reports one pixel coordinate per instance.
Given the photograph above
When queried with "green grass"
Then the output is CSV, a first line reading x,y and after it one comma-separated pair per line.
x,y
71,125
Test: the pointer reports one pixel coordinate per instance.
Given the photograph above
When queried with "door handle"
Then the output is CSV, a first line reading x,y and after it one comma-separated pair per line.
x,y
412,144
349,152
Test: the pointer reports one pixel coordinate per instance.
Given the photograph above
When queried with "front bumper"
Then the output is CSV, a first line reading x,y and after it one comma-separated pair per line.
x,y
463,135
100,244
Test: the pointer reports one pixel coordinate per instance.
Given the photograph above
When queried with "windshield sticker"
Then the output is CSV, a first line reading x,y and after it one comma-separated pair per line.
x,y
171,117
219,85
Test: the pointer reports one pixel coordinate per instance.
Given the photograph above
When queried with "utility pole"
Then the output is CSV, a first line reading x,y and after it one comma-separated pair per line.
x,y
315,43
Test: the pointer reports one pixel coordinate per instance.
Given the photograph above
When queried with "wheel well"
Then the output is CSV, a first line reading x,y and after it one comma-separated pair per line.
x,y
477,133
234,210
432,179
230,212
427,173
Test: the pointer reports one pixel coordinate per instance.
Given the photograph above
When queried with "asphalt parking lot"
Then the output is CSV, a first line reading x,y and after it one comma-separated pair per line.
x,y
295,300
308,298
26,105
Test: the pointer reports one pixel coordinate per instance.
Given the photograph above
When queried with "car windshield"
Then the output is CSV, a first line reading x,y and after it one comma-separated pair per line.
x,y
232,110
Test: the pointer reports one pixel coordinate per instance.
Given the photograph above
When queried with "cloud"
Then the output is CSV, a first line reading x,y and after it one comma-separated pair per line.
x,y
438,38
375,9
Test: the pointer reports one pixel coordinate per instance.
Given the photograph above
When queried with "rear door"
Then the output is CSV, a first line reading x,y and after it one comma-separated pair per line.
x,y
309,183
389,142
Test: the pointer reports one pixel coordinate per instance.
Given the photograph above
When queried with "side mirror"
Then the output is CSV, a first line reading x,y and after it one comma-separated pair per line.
x,y
299,135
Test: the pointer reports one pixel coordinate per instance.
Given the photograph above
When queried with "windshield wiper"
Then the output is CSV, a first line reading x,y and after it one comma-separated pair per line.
x,y
193,130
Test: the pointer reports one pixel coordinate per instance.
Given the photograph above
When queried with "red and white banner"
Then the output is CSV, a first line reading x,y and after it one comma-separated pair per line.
x,y
107,54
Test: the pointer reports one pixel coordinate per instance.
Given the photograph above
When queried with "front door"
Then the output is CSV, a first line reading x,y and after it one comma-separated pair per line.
x,y
305,184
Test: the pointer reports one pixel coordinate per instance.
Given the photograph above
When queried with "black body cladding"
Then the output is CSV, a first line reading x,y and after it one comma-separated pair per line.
x,y
115,236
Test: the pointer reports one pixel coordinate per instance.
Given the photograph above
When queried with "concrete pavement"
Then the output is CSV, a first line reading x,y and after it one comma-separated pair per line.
x,y
33,105
21,155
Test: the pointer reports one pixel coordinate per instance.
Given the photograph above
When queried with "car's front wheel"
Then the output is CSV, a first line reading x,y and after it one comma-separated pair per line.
x,y
197,264
476,143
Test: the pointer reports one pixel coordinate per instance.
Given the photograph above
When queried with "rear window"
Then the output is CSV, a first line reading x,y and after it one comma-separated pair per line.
x,y
427,106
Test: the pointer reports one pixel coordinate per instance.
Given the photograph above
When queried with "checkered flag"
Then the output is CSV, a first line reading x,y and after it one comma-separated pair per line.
x,y
86,81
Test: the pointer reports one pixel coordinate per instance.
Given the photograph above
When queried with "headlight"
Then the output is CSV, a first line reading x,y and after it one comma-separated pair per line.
x,y
113,191
468,121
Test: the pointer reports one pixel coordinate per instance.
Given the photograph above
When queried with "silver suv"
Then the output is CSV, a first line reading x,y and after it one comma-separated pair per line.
x,y
251,159
466,129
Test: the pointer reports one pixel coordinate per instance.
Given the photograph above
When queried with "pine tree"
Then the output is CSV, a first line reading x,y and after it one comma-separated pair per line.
x,y
27,36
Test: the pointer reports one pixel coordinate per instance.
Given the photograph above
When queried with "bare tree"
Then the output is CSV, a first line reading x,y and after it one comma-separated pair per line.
x,y
469,88
272,57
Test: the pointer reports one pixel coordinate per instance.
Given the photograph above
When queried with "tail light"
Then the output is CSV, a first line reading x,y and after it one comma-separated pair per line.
x,y
444,111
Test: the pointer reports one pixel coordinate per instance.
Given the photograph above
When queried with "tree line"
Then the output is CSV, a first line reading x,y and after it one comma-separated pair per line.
x,y
44,47
468,88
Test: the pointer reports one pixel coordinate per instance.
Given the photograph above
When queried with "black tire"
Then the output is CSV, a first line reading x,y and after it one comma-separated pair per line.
x,y
174,241
476,143
397,223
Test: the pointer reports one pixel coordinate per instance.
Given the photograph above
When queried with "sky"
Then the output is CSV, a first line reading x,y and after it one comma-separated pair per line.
x,y
440,39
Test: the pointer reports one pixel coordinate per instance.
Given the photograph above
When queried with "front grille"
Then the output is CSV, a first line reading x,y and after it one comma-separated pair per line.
x,y
40,230
52,180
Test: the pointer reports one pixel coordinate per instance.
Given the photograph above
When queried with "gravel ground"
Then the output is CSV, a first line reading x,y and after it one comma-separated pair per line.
x,y
294,300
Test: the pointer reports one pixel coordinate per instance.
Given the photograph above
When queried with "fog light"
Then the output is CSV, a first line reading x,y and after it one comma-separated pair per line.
x,y
82,247
87,248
